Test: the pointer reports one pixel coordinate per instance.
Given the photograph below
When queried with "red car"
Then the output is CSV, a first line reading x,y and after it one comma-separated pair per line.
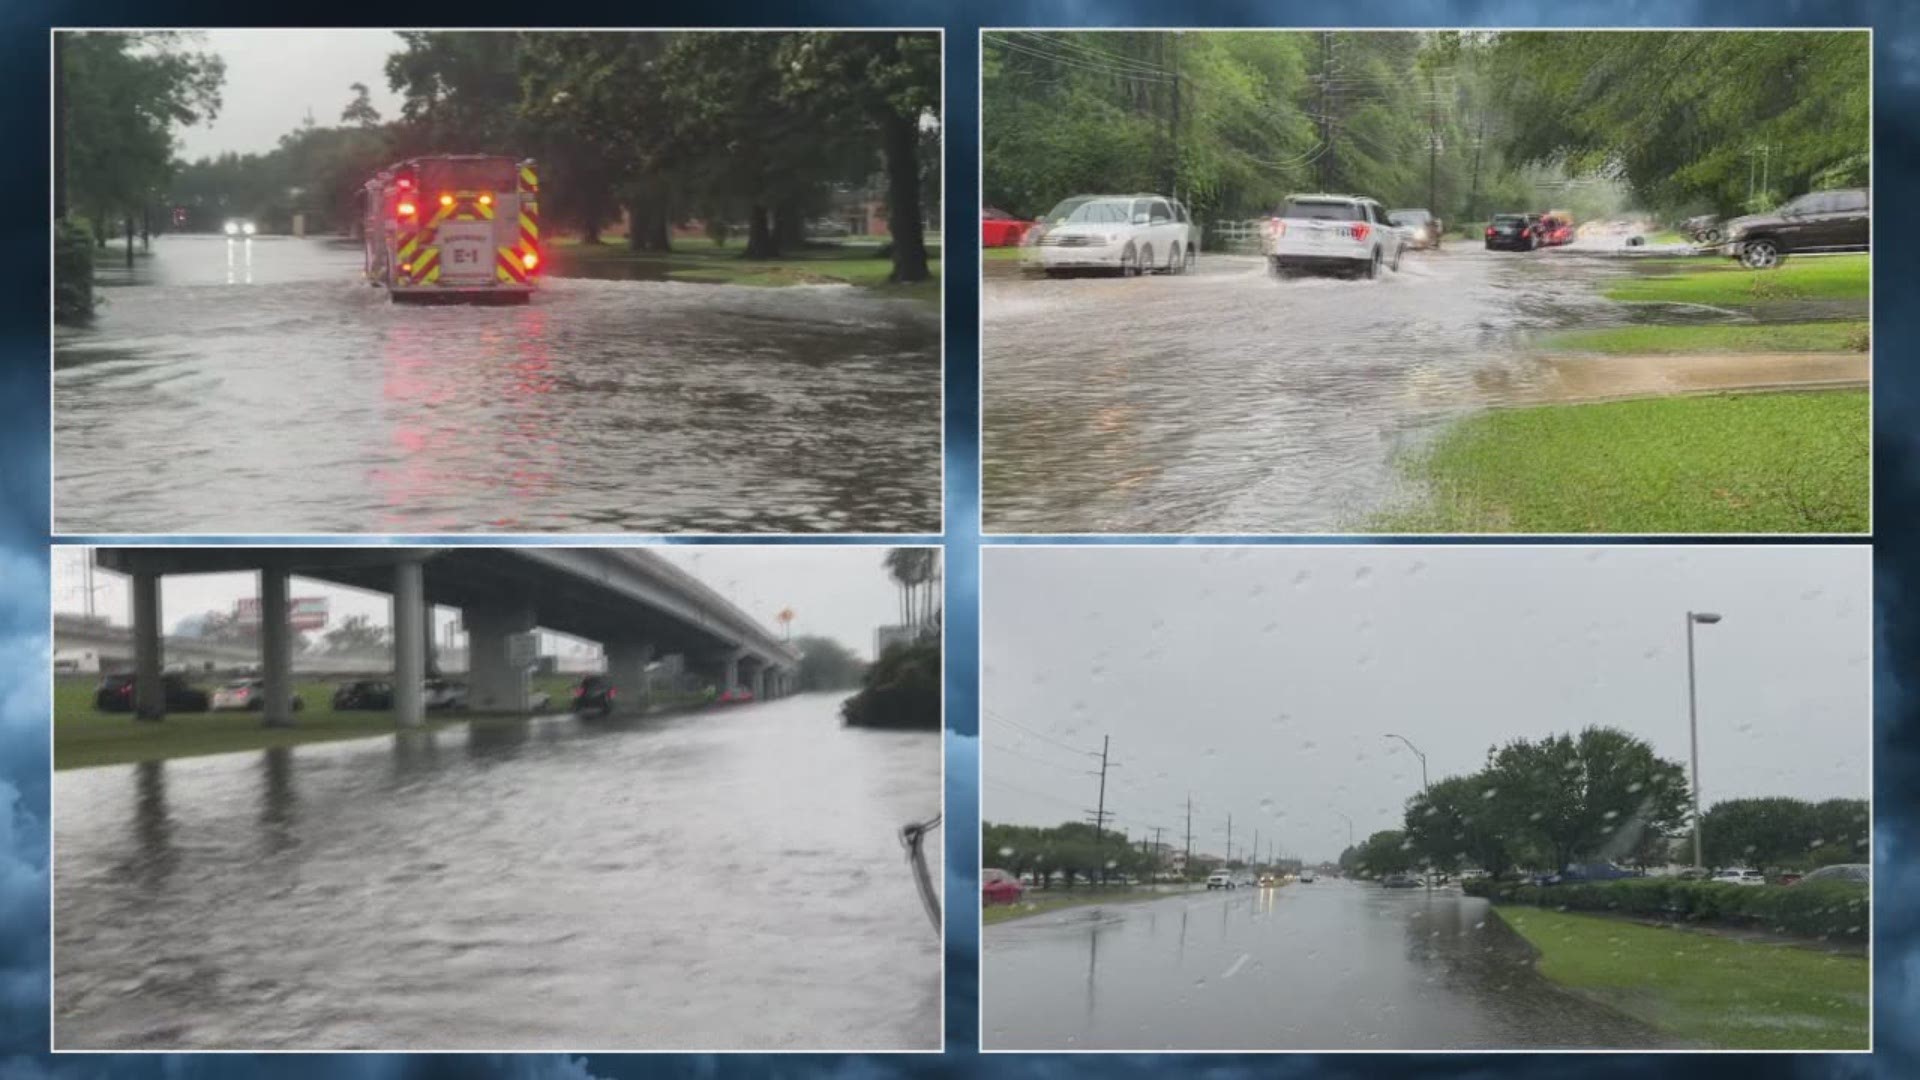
x,y
999,887
737,697
1001,229
1555,232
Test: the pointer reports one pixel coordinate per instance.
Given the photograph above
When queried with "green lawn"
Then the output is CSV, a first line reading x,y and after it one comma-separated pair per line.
x,y
1039,902
1770,462
1702,988
83,736
1001,254
1838,277
699,259
1840,336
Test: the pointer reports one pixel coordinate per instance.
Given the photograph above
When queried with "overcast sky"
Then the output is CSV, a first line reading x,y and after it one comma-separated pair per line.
x,y
838,592
1264,680
275,76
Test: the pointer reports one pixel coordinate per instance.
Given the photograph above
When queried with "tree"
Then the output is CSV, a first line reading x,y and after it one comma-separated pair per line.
x,y
360,111
1455,822
893,79
1385,852
825,664
357,635
1595,795
1784,833
121,96
914,570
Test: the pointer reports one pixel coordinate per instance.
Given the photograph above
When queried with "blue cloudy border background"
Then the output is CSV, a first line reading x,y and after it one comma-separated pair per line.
x,y
24,564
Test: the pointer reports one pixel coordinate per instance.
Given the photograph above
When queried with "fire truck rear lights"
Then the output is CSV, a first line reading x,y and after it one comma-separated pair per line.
x,y
446,200
529,260
486,200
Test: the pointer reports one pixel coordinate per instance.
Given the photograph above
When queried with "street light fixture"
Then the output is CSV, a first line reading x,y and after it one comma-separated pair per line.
x,y
1416,753
1705,618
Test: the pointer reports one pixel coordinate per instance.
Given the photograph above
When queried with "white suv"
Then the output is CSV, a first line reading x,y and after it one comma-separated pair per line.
x,y
1348,233
1133,234
1220,879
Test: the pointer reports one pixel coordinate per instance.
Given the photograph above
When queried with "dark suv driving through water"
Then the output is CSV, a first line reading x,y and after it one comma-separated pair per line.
x,y
1839,220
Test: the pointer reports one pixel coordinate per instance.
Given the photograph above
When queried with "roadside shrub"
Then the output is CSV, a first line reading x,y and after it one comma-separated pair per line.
x,y
1830,909
72,272
902,689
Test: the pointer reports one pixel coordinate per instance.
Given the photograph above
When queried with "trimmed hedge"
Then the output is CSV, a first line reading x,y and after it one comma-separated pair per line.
x,y
72,272
1824,909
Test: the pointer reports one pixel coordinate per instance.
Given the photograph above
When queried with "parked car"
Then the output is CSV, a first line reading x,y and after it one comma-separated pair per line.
x,y
999,887
1840,220
1306,877
1857,873
739,695
1739,876
1220,879
1132,234
444,694
1400,881
1704,229
1512,232
1344,233
1001,229
115,694
594,694
363,694
1596,871
247,695
1423,229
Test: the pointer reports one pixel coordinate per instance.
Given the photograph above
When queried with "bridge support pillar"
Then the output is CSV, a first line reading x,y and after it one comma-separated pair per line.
x,y
409,643
276,648
494,682
627,666
726,675
149,692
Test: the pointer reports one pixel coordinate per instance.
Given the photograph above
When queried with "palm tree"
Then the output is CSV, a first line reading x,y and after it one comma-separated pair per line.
x,y
913,569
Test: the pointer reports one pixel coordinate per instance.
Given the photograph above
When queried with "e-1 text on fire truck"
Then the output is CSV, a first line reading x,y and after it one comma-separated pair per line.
x,y
454,226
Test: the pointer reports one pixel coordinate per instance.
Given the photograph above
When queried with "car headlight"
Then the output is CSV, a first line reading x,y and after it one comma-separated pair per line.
x,y
247,228
233,228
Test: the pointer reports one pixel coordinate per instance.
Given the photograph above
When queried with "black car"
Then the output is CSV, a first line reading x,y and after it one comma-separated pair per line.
x,y
1839,220
363,694
115,694
594,694
1513,232
1400,881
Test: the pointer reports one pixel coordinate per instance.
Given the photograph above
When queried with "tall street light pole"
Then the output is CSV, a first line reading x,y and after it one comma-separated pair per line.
x,y
1693,725
1418,754
1349,822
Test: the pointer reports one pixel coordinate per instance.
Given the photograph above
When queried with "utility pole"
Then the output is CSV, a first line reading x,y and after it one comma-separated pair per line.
x,y
1256,846
1326,110
1229,837
1100,810
1479,144
1173,121
1189,861
1433,140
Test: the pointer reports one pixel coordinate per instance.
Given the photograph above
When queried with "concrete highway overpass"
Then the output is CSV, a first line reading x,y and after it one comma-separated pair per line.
x,y
638,606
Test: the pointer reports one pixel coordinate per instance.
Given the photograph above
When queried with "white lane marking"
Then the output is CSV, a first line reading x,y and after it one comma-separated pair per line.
x,y
1237,965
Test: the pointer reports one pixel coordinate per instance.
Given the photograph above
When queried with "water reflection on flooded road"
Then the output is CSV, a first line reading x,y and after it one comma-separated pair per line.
x,y
259,386
721,879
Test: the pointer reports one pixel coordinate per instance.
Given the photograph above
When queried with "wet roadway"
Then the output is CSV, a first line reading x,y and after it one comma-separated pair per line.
x,y
261,387
1332,965
1229,401
727,879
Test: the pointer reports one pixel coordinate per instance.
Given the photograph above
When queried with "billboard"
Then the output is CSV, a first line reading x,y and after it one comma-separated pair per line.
x,y
303,612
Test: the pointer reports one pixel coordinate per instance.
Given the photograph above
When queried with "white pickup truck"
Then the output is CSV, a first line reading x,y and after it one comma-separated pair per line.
x,y
1346,233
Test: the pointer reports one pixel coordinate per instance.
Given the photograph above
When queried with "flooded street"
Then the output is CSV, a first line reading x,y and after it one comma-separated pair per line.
x,y
721,879
1324,966
1229,401
262,387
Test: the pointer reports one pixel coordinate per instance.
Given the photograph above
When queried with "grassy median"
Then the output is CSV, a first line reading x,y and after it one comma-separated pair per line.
x,y
1789,462
1845,335
700,260
1702,988
1836,277
84,736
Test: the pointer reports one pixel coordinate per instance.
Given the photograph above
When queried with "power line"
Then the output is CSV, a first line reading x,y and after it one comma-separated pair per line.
x,y
998,749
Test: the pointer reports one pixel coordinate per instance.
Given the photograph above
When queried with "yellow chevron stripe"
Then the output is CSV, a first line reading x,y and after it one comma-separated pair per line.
x,y
528,225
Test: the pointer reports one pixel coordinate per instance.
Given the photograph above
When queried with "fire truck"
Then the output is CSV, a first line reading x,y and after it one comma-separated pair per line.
x,y
453,227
